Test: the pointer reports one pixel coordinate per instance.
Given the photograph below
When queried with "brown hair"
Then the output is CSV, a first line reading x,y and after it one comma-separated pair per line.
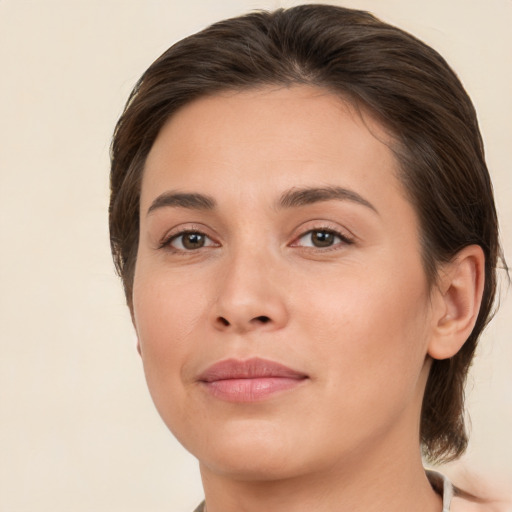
x,y
403,82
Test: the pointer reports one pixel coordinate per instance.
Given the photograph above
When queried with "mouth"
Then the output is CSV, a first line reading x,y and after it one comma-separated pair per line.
x,y
252,380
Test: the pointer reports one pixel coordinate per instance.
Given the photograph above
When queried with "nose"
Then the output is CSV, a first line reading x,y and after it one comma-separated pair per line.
x,y
250,295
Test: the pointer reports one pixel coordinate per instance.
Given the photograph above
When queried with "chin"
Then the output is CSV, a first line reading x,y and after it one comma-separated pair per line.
x,y
253,467
251,453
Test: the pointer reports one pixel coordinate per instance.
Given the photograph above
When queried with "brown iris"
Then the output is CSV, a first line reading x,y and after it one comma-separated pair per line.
x,y
322,238
193,240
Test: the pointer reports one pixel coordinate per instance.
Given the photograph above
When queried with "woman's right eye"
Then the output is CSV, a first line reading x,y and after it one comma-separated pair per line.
x,y
189,241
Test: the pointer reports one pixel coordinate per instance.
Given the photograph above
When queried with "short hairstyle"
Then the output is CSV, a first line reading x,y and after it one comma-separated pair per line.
x,y
402,82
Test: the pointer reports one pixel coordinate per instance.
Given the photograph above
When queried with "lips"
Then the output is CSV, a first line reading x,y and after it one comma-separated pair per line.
x,y
249,381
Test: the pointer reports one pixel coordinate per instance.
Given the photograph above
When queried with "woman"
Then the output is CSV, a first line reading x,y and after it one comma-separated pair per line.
x,y
305,228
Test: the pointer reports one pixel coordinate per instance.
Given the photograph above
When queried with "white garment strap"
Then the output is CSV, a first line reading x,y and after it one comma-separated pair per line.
x,y
445,484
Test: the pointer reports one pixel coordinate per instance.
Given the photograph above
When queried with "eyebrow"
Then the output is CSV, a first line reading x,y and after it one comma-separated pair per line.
x,y
303,196
293,198
192,201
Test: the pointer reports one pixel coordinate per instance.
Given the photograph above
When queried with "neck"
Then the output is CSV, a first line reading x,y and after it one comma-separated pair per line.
x,y
395,482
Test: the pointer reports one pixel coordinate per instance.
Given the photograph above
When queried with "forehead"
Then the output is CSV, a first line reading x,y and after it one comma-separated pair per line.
x,y
270,139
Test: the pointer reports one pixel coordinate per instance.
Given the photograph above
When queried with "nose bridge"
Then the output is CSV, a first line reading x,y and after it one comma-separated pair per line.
x,y
249,291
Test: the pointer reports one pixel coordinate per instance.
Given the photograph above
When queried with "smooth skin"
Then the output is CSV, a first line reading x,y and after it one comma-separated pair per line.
x,y
332,286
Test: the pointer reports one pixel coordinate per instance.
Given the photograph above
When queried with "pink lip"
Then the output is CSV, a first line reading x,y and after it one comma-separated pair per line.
x,y
249,381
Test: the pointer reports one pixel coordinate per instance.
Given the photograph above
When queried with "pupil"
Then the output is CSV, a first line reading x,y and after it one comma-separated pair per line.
x,y
193,241
322,238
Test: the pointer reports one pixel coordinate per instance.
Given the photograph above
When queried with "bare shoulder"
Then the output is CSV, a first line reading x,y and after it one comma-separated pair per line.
x,y
464,505
493,491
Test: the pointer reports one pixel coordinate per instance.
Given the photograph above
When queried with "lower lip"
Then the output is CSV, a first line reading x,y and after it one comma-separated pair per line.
x,y
250,390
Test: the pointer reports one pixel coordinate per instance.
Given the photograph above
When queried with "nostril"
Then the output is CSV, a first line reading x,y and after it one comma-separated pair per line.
x,y
263,319
223,321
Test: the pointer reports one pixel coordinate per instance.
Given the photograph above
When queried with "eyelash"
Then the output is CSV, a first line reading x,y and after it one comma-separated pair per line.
x,y
344,240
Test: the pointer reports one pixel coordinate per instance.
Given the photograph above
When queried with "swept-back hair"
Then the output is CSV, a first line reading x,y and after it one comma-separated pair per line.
x,y
385,71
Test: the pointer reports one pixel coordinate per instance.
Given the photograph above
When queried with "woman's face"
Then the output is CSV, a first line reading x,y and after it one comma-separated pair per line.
x,y
280,302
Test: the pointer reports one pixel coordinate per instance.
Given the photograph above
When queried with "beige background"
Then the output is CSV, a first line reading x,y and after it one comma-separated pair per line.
x,y
77,429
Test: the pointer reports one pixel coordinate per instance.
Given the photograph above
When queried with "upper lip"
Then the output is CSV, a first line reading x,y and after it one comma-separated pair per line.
x,y
249,369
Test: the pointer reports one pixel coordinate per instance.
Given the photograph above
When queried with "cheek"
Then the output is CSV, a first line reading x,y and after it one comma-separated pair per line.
x,y
167,308
167,311
371,332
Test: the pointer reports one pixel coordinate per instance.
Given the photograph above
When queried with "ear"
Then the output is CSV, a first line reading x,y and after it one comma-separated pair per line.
x,y
457,301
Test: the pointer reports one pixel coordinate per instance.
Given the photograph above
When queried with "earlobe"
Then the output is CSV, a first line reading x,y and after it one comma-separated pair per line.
x,y
458,297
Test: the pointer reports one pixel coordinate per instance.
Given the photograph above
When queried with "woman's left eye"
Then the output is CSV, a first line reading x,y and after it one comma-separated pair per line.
x,y
321,238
